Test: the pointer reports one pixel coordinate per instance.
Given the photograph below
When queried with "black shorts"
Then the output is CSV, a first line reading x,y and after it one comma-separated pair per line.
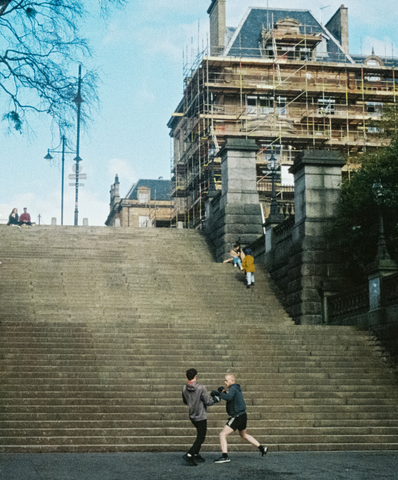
x,y
238,423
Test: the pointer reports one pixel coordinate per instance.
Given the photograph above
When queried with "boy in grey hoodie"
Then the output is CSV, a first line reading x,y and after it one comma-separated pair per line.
x,y
196,397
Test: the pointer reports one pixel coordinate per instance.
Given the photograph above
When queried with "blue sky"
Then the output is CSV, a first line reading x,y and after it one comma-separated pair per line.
x,y
139,58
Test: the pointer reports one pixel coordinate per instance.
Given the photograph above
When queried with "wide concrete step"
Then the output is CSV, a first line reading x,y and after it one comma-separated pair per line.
x,y
179,442
357,434
269,382
208,447
124,382
269,426
273,417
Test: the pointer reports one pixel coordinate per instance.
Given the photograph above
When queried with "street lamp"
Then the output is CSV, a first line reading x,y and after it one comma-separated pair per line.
x,y
49,157
78,100
212,155
273,168
378,192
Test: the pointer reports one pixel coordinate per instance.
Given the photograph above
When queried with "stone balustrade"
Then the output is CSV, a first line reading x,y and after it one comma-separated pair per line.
x,y
348,304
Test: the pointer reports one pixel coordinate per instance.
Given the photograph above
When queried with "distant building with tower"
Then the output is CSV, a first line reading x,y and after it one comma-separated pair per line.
x,y
148,204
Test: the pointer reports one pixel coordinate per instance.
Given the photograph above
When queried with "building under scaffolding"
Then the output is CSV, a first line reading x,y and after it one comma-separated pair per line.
x,y
283,79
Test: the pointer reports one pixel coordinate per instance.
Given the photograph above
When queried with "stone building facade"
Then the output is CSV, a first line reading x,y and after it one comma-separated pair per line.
x,y
147,204
283,79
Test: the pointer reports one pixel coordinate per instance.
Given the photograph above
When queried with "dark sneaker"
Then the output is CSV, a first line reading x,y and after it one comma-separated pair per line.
x,y
248,286
198,458
222,460
189,460
263,450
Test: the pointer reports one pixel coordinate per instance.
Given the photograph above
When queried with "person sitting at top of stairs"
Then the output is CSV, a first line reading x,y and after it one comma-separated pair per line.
x,y
24,218
236,256
13,218
196,397
236,409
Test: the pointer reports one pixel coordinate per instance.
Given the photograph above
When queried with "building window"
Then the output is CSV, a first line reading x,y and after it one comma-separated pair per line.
x,y
143,221
374,108
288,52
143,198
326,106
305,54
375,130
251,106
266,105
281,105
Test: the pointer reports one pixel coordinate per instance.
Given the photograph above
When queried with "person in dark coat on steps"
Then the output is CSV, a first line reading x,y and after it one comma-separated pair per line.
x,y
236,409
196,397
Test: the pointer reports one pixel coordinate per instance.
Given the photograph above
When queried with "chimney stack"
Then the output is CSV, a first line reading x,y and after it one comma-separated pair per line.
x,y
338,26
217,18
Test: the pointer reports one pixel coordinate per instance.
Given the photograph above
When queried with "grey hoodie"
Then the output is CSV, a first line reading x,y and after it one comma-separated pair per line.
x,y
196,397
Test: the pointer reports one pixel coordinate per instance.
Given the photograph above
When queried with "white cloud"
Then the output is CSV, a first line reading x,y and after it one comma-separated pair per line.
x,y
382,48
144,92
125,171
113,35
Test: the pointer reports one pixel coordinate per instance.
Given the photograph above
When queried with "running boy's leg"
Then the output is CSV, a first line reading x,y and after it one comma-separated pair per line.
x,y
249,438
253,441
224,446
223,438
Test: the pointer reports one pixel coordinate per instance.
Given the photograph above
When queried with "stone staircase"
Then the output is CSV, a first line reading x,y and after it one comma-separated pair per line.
x,y
98,326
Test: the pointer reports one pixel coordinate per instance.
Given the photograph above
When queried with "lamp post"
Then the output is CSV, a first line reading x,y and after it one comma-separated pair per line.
x,y
78,100
378,192
272,170
50,157
212,155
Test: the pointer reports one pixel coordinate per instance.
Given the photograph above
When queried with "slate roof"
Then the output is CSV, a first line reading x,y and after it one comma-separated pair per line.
x,y
246,39
160,189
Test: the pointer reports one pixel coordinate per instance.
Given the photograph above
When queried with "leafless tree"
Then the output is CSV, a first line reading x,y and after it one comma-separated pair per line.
x,y
40,48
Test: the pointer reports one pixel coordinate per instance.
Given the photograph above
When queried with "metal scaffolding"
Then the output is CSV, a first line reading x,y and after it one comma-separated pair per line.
x,y
286,97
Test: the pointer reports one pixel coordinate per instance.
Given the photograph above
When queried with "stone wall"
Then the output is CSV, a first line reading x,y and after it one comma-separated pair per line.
x,y
355,307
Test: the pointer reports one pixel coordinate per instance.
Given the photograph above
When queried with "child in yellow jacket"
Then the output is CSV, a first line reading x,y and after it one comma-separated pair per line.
x,y
249,268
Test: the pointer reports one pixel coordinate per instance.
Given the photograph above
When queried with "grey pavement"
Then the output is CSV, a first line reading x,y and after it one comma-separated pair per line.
x,y
170,466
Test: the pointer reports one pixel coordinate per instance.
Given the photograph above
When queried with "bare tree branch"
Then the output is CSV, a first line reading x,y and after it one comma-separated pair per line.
x,y
40,48
3,5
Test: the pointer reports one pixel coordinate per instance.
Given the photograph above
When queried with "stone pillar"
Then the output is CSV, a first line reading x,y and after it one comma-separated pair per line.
x,y
235,213
269,226
317,181
53,220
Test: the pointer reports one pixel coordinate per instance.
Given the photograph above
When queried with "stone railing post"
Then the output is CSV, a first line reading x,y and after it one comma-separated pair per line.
x,y
317,181
237,212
